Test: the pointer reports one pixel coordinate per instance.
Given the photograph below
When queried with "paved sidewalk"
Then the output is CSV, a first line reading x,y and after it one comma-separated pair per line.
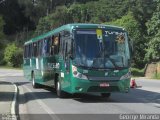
x,y
7,91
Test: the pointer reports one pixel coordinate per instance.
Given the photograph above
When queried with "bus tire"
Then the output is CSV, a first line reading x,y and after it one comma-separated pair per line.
x,y
34,84
60,93
105,95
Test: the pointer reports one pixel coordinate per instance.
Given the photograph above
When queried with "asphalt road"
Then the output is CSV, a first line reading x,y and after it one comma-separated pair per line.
x,y
42,103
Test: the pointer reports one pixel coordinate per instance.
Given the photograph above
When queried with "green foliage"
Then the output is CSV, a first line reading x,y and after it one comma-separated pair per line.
x,y
2,42
142,11
59,17
130,24
137,72
1,29
153,24
153,51
17,58
156,76
14,17
91,12
13,55
136,16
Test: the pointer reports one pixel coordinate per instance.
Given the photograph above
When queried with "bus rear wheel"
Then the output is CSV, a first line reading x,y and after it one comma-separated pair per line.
x,y
34,84
105,95
60,93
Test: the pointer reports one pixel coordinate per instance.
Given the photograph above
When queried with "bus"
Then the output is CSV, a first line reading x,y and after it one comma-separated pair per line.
x,y
80,58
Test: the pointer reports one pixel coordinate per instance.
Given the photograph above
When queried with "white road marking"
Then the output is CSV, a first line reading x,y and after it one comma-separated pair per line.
x,y
22,107
44,106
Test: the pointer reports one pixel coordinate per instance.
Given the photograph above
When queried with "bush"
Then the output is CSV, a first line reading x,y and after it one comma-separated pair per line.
x,y
13,55
156,76
137,72
17,58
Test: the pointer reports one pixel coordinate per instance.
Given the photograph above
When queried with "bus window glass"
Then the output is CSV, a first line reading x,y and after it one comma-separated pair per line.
x,y
54,45
45,47
25,51
35,49
106,51
40,48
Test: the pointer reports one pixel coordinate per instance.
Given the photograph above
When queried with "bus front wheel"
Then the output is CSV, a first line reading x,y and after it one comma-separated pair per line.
x,y
60,93
105,95
34,84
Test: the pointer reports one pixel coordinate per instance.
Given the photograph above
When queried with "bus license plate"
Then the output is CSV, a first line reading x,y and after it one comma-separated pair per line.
x,y
104,84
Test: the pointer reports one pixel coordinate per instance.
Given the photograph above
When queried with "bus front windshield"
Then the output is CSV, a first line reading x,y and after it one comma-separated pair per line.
x,y
101,49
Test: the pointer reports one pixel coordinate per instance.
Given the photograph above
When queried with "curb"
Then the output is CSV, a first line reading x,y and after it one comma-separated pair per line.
x,y
14,102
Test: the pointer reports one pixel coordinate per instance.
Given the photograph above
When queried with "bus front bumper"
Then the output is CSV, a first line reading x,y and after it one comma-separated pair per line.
x,y
87,86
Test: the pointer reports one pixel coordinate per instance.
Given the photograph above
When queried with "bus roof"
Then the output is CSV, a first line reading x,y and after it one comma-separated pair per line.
x,y
71,26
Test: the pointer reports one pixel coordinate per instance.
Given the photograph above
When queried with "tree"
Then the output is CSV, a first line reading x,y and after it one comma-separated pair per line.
x,y
14,17
56,19
2,45
153,25
142,11
1,29
153,51
13,55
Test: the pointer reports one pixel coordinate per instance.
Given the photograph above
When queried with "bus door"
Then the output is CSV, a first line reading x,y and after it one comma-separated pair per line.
x,y
66,49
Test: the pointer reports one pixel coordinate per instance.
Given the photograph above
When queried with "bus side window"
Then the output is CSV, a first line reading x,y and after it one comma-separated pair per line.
x,y
27,52
40,48
45,47
24,54
52,46
35,49
55,44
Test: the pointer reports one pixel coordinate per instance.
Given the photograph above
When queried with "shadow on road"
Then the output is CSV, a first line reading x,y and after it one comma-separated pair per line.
x,y
6,91
134,96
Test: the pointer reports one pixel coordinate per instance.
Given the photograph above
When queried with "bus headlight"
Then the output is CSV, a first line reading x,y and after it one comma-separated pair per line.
x,y
126,76
76,74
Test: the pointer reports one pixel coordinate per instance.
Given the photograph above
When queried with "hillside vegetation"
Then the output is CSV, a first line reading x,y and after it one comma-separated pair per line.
x,y
29,18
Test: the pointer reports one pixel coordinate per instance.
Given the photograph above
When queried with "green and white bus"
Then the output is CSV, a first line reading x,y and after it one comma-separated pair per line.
x,y
80,58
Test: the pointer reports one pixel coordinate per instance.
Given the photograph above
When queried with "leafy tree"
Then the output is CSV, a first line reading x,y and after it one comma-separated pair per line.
x,y
57,18
153,50
2,42
14,17
153,24
142,11
13,55
1,29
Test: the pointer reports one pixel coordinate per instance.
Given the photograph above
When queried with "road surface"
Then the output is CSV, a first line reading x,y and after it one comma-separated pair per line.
x,y
32,103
